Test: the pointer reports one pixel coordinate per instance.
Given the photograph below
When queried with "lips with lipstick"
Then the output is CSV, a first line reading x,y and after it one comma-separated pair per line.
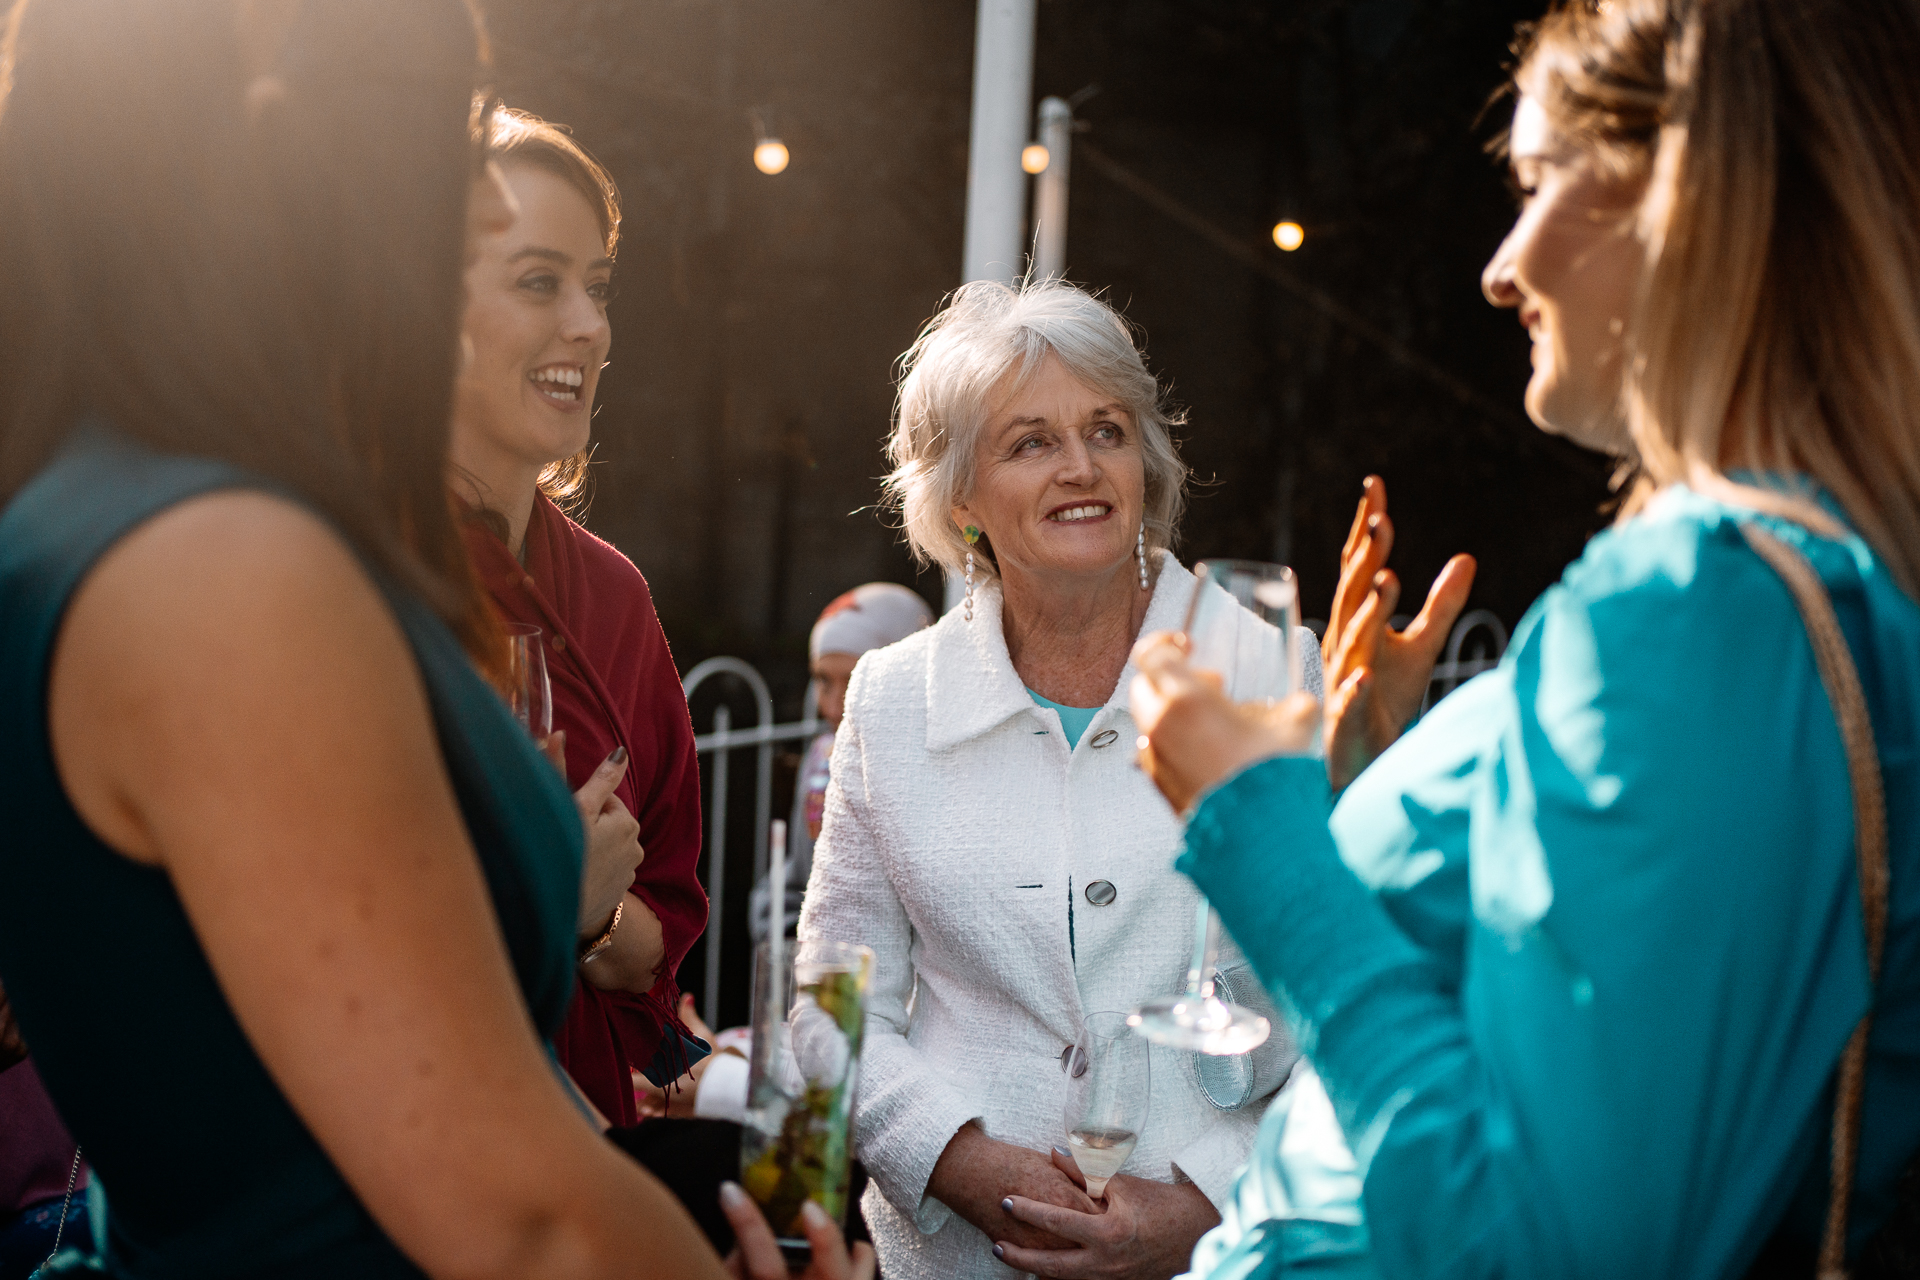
x,y
1085,511
558,382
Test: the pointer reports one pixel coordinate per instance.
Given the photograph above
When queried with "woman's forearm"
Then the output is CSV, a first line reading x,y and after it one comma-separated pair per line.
x,y
632,962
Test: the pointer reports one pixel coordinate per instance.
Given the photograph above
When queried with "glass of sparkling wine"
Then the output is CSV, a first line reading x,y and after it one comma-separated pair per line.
x,y
1244,619
529,692
1107,1092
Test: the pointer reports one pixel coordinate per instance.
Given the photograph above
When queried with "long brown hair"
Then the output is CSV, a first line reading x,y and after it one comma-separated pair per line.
x,y
520,137
236,229
1778,323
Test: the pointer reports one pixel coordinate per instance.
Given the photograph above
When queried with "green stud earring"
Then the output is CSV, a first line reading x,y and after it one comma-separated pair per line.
x,y
971,533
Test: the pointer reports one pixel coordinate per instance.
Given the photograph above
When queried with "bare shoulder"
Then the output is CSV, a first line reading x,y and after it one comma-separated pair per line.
x,y
231,626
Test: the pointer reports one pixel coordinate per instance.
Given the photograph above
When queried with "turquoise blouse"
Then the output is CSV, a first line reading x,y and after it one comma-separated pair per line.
x,y
1575,959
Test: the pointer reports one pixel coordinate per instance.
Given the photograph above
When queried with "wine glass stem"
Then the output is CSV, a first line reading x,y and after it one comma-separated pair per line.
x,y
1206,947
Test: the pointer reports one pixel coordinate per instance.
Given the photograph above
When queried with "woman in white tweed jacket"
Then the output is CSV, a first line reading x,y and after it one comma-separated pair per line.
x,y
987,833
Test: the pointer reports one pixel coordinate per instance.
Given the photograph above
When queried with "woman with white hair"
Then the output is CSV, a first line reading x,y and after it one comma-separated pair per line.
x,y
986,832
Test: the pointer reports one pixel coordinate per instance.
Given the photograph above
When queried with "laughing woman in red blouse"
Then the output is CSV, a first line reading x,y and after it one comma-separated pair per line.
x,y
537,324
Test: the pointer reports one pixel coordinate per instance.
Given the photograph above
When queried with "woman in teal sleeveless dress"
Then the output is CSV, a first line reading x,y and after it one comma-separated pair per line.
x,y
287,898
1575,959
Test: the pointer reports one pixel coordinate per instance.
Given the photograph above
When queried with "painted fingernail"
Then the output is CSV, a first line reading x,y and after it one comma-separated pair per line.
x,y
1000,1251
816,1216
1062,1152
1006,1206
619,756
733,1197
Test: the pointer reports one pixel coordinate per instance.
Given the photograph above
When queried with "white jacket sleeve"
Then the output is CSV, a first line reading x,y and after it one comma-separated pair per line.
x,y
906,1111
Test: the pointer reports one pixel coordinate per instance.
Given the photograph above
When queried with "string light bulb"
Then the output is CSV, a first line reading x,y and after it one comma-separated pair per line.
x,y
1289,235
1034,158
770,156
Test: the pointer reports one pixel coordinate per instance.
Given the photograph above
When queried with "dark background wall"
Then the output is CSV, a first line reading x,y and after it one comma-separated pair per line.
x,y
759,318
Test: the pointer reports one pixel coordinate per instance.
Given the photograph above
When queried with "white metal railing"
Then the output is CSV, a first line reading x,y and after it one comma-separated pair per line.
x,y
721,744
1475,645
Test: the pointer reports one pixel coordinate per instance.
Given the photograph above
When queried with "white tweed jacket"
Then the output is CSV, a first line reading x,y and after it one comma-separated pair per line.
x,y
959,827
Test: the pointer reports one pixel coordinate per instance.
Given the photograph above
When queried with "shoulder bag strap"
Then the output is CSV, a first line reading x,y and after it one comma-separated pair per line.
x,y
1842,682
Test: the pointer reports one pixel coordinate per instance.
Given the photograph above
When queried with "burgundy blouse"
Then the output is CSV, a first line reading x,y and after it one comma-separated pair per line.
x,y
614,683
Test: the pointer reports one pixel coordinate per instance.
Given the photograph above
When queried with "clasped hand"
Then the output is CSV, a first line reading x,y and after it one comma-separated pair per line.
x,y
1140,1230
613,837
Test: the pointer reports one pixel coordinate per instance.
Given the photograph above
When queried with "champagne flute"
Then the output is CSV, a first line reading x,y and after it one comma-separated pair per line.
x,y
1244,618
1107,1094
528,691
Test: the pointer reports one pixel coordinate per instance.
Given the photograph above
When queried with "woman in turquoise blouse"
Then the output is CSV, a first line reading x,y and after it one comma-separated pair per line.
x,y
1574,959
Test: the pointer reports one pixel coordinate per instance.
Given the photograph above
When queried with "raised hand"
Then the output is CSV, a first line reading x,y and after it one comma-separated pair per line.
x,y
1376,677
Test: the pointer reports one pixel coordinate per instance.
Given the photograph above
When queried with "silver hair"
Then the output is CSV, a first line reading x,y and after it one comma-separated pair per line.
x,y
986,331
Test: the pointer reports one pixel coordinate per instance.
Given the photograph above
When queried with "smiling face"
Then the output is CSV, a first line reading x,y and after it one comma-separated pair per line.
x,y
1059,482
536,319
1569,267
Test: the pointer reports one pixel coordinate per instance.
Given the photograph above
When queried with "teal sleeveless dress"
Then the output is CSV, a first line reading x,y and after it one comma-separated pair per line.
x,y
208,1173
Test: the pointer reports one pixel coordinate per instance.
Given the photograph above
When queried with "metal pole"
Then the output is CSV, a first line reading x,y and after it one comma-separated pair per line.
x,y
1055,133
996,185
1002,90
716,868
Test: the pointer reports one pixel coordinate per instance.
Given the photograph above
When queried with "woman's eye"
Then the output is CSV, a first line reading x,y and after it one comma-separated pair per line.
x,y
1106,431
602,292
1031,442
544,284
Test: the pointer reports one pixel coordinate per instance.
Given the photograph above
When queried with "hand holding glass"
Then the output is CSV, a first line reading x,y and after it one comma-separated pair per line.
x,y
1231,631
1107,1096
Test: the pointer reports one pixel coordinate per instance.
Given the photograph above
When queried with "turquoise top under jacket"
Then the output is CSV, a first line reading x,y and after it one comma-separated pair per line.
x,y
209,1172
1576,958
1073,720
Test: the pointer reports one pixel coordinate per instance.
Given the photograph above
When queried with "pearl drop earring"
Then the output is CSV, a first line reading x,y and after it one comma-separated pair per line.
x,y
1140,553
972,535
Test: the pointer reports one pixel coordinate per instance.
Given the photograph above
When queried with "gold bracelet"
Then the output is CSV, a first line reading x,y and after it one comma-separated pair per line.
x,y
593,949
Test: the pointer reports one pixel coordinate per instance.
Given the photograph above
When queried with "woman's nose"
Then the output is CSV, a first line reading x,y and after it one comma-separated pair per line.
x,y
1076,462
583,320
1496,282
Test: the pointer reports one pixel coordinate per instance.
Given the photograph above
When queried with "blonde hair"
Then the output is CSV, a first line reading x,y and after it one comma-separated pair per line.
x,y
1777,326
948,377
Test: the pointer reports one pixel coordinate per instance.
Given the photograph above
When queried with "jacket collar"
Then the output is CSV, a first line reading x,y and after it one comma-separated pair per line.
x,y
971,684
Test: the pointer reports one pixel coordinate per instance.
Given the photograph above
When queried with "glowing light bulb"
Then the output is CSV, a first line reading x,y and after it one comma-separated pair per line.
x,y
1034,158
770,156
1289,235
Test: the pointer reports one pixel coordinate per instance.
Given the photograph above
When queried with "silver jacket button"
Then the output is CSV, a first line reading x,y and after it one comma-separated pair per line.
x,y
1105,738
1101,892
